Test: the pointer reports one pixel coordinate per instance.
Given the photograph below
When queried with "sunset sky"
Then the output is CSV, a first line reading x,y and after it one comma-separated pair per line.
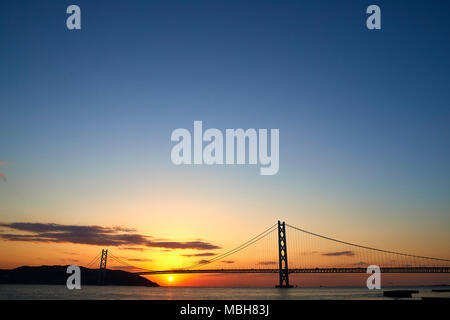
x,y
87,118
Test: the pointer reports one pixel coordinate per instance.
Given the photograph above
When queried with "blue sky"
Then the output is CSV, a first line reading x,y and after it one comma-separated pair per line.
x,y
363,115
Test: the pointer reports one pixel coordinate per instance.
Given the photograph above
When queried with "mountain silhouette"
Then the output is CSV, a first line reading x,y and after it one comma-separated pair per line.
x,y
57,275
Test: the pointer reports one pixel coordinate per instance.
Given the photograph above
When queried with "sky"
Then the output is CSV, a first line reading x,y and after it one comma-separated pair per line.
x,y
87,117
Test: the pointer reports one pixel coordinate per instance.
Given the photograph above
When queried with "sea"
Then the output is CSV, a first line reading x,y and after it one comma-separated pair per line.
x,y
59,292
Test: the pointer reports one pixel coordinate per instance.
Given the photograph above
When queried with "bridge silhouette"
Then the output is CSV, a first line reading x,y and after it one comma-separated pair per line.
x,y
308,252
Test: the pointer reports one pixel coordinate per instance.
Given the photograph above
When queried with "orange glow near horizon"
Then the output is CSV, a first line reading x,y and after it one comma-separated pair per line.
x,y
262,254
17,254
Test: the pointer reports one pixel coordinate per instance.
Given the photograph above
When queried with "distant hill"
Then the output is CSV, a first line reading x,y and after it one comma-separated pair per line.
x,y
58,275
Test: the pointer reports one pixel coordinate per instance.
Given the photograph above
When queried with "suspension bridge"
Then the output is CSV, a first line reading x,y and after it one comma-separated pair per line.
x,y
308,252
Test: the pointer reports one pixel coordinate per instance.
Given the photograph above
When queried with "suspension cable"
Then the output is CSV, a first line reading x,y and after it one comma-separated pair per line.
x,y
238,248
117,259
93,260
364,247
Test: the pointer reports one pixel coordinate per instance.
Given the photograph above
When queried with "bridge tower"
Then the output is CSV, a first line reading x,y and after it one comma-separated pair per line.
x,y
282,256
102,269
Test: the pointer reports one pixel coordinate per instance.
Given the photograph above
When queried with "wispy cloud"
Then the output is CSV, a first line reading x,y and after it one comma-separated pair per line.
x,y
63,260
267,263
339,253
203,261
203,254
92,235
139,260
227,261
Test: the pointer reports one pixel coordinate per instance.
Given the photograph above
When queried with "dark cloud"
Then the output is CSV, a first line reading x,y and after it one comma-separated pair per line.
x,y
339,253
139,260
227,261
203,261
203,254
53,227
132,248
92,235
267,263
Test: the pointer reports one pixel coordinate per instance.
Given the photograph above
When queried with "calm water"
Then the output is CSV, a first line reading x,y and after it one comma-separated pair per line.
x,y
175,293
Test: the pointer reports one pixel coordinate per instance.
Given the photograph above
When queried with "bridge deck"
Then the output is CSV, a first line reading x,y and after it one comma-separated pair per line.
x,y
314,270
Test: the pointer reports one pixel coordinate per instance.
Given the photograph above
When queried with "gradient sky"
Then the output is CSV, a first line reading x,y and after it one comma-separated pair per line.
x,y
363,117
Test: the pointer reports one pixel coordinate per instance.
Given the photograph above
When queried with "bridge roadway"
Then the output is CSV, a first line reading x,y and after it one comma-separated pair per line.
x,y
312,270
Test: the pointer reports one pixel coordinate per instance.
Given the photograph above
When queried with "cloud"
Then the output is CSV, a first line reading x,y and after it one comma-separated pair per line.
x,y
339,253
227,261
139,260
203,261
203,254
92,235
309,252
68,260
132,248
71,253
267,263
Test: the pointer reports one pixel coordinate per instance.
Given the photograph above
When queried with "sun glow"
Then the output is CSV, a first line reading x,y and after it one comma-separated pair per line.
x,y
170,278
